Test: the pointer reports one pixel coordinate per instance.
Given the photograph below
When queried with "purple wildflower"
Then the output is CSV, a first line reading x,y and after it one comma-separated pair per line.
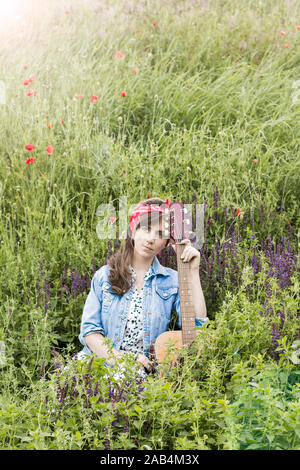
x,y
90,363
75,279
275,335
117,417
232,244
38,287
126,427
54,352
107,441
110,248
96,391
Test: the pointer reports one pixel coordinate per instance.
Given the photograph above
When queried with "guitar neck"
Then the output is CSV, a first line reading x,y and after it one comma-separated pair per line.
x,y
186,301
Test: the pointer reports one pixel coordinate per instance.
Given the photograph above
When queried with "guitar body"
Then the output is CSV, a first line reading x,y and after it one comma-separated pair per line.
x,y
167,346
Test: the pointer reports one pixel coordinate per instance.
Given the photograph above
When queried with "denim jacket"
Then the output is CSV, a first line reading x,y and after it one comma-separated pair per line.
x,y
106,312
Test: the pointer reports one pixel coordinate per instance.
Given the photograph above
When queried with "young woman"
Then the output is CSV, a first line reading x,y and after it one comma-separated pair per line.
x,y
132,296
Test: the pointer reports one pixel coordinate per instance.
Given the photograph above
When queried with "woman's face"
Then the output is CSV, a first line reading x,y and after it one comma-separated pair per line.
x,y
151,237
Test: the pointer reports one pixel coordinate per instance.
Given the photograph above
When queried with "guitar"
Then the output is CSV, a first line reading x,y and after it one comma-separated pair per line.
x,y
168,344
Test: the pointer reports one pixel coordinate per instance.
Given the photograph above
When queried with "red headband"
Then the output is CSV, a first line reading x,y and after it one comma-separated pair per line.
x,y
143,209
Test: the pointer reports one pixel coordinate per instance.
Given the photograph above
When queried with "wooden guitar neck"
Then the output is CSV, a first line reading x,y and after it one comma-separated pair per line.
x,y
186,301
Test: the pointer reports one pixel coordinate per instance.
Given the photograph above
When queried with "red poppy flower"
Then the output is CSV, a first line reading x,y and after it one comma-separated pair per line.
x,y
79,95
148,196
62,121
255,160
283,33
49,125
238,212
134,70
30,80
118,55
298,27
154,24
50,149
67,12
94,98
287,46
29,147
112,219
123,94
29,160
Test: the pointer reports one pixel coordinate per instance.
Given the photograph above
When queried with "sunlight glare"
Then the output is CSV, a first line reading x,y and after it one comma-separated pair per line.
x,y
10,12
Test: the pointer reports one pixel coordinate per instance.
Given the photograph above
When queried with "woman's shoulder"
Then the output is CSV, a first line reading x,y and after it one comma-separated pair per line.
x,y
102,273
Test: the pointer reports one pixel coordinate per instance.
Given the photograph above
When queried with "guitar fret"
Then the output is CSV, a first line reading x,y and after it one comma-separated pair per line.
x,y
188,326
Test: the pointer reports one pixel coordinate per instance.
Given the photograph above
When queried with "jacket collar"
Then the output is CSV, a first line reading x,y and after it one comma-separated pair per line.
x,y
155,269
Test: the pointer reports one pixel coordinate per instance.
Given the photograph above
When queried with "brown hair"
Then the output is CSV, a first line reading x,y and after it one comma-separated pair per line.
x,y
120,275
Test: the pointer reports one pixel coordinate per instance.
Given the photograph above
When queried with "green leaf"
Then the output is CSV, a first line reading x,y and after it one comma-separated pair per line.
x,y
295,357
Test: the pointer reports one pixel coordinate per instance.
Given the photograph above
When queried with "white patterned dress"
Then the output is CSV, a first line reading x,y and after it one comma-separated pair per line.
x,y
134,331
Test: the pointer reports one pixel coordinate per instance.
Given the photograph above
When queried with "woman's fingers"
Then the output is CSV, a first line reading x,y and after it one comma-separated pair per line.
x,y
186,241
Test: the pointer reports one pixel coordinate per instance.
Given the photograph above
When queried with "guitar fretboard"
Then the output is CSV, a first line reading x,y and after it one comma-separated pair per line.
x,y
186,301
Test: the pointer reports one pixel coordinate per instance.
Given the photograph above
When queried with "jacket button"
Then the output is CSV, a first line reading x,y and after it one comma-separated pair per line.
x,y
164,294
127,297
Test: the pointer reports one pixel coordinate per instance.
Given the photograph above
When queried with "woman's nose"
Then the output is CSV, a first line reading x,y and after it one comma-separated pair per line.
x,y
150,237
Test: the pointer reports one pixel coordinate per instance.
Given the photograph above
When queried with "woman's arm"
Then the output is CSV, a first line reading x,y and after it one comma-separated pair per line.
x,y
197,295
95,342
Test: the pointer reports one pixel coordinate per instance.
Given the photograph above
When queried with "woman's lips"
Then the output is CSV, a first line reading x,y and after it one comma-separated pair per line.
x,y
148,249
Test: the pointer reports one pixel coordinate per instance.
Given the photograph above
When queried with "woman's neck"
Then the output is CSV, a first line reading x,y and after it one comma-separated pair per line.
x,y
141,265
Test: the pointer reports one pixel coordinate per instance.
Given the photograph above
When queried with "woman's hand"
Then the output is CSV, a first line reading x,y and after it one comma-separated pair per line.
x,y
144,362
189,255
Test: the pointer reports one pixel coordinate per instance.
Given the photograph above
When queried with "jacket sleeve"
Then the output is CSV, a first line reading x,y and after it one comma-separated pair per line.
x,y
199,322
91,321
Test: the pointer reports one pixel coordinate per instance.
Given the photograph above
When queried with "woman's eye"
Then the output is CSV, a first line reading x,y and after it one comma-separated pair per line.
x,y
146,229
